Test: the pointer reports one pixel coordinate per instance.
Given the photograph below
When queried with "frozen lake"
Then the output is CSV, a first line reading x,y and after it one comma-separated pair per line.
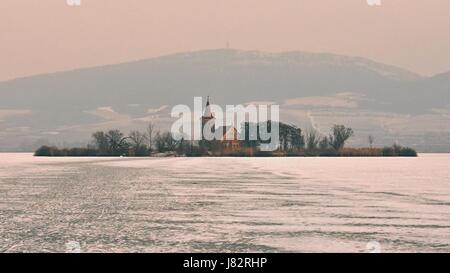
x,y
224,204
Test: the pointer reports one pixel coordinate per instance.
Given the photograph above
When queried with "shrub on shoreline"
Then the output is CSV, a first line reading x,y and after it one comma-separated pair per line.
x,y
54,151
397,150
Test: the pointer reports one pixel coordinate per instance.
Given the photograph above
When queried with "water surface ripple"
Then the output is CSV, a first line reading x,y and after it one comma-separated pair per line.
x,y
224,204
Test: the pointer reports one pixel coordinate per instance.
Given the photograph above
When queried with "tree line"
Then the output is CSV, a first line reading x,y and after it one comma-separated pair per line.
x,y
292,138
292,142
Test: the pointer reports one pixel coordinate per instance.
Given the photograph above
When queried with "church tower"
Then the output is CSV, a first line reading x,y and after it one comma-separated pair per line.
x,y
207,116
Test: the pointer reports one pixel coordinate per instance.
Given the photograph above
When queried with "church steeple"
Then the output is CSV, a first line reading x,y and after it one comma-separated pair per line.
x,y
208,113
207,117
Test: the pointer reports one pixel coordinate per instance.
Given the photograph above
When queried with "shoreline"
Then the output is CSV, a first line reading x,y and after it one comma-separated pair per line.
x,y
347,152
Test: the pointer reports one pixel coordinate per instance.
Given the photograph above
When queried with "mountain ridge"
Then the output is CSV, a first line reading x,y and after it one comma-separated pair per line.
x,y
288,54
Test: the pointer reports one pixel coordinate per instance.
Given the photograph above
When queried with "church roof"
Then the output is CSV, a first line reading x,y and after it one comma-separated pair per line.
x,y
228,133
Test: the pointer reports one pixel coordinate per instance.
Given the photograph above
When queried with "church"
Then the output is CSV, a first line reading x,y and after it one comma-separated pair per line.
x,y
229,135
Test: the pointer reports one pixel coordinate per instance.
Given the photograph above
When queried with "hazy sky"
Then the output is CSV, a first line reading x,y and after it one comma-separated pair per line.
x,y
49,35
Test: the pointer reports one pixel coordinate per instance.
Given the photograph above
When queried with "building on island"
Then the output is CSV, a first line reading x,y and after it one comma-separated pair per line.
x,y
229,135
230,138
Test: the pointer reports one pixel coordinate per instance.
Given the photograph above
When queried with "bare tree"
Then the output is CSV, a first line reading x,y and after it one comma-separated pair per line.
x,y
169,141
340,134
150,135
138,142
101,142
312,139
159,142
117,142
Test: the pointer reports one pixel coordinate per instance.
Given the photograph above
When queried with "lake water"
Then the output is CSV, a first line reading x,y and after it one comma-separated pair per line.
x,y
224,204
